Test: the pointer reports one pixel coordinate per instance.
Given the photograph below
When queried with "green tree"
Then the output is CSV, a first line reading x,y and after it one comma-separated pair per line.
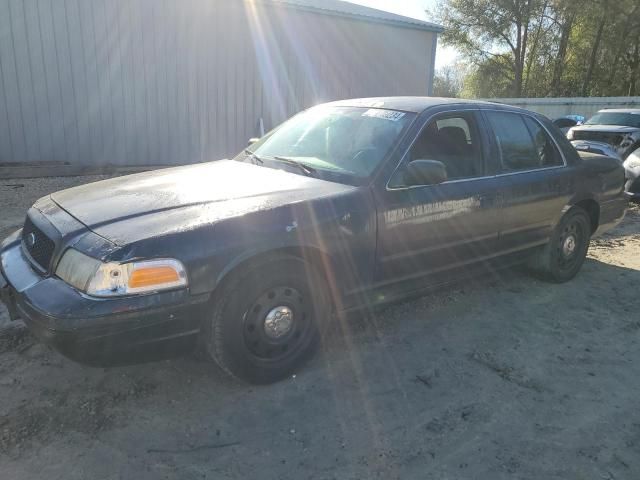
x,y
482,29
447,82
491,78
546,47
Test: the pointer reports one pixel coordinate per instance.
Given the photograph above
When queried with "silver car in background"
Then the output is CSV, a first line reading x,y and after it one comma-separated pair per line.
x,y
614,133
565,123
617,128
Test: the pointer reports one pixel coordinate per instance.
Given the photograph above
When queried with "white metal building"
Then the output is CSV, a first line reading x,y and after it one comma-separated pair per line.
x,y
150,82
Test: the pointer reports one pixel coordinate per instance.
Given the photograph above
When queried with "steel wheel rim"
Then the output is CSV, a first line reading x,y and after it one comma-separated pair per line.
x,y
268,341
570,245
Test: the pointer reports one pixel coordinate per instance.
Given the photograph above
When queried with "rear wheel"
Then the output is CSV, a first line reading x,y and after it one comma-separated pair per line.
x,y
265,319
561,259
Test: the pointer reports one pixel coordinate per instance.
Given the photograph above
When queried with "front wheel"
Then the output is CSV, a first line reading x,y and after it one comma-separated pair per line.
x,y
265,319
561,259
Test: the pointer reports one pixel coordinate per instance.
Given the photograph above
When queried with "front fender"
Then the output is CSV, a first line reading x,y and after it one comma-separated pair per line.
x,y
312,254
339,232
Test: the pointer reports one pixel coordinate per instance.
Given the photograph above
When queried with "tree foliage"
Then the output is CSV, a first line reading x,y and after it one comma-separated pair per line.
x,y
447,81
545,47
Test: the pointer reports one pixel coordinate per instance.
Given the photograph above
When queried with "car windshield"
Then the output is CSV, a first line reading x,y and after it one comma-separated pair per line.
x,y
350,141
615,118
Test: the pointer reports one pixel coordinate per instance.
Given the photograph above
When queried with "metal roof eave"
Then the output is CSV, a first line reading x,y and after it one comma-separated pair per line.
x,y
409,23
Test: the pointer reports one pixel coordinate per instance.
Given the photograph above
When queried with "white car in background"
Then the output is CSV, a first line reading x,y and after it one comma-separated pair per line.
x,y
611,132
614,133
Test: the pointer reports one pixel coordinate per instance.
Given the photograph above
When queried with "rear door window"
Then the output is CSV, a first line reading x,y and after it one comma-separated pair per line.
x,y
517,149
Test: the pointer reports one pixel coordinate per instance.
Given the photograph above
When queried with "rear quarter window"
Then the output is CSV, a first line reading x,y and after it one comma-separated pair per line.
x,y
548,154
523,143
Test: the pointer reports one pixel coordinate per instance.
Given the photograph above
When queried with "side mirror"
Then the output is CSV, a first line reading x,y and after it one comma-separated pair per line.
x,y
252,141
425,172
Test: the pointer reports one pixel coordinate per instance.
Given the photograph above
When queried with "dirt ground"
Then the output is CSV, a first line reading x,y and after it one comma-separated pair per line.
x,y
508,377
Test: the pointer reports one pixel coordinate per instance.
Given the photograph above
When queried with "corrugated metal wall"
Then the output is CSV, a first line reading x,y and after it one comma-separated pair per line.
x,y
179,81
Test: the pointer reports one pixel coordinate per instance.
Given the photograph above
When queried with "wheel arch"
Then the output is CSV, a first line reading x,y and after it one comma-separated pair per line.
x,y
321,261
588,204
593,210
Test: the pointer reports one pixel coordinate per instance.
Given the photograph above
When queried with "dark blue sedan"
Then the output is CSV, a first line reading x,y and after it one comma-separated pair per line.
x,y
346,206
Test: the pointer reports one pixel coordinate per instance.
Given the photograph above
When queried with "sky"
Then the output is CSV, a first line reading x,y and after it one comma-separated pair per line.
x,y
416,9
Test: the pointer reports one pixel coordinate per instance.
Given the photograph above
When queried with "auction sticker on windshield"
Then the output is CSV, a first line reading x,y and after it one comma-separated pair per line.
x,y
386,114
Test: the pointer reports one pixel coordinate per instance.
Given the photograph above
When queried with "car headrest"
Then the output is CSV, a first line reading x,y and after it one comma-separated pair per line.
x,y
454,135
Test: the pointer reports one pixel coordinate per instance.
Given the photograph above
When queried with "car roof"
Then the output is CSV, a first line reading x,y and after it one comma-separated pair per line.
x,y
620,110
413,104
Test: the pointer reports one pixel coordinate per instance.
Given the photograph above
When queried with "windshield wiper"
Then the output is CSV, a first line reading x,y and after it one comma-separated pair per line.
x,y
306,169
254,158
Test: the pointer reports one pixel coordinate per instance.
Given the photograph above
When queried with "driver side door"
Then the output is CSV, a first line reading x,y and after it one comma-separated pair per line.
x,y
427,230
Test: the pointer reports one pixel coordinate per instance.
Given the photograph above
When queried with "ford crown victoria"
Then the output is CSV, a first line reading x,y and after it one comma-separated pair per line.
x,y
346,206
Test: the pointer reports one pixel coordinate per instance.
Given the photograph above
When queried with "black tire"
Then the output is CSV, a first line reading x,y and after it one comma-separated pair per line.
x,y
248,343
561,259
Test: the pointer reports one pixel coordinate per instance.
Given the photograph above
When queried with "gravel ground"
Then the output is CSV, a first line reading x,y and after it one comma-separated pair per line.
x,y
507,377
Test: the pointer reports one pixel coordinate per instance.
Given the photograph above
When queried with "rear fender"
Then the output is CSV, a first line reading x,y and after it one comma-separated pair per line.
x,y
573,201
588,203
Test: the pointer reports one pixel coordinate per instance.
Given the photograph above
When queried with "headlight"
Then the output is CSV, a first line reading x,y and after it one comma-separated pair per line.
x,y
115,279
570,134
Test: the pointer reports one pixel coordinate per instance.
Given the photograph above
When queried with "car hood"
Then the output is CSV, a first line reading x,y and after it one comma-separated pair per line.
x,y
622,138
605,128
126,209
593,146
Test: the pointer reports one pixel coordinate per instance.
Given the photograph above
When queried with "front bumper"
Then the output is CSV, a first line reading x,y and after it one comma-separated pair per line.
x,y
98,331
